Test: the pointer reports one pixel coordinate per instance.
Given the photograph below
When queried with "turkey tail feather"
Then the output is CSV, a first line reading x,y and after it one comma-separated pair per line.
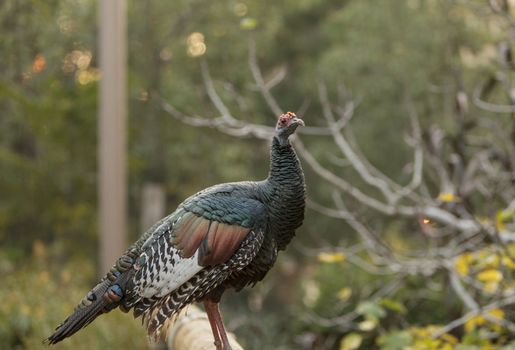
x,y
104,297
83,315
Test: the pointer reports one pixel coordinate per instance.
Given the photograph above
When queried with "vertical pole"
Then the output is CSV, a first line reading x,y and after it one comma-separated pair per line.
x,y
112,132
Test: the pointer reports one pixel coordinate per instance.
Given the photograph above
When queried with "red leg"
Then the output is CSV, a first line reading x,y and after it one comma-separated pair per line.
x,y
209,310
217,325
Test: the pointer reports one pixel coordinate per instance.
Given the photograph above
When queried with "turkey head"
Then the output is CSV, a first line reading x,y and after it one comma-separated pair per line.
x,y
286,126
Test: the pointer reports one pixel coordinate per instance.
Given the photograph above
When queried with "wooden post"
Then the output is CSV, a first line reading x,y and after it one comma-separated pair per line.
x,y
112,132
192,331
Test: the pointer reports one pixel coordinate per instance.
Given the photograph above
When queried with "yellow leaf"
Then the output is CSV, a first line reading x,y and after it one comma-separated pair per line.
x,y
489,275
502,217
421,332
508,262
511,249
497,313
351,341
330,258
491,287
430,344
462,263
367,325
475,321
451,339
344,294
448,197
497,328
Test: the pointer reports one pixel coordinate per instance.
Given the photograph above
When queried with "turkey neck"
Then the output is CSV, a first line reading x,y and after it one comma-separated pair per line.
x,y
284,192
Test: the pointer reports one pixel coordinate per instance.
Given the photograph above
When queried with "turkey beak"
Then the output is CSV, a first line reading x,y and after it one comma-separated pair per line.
x,y
297,122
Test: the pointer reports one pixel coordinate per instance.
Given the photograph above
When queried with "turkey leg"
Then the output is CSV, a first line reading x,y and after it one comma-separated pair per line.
x,y
217,325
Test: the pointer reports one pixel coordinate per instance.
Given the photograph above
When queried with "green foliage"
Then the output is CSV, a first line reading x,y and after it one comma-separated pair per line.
x,y
39,296
395,340
370,309
47,133
379,321
384,52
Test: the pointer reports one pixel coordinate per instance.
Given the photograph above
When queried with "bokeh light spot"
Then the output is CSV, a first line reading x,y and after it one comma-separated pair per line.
x,y
165,54
240,9
39,63
196,45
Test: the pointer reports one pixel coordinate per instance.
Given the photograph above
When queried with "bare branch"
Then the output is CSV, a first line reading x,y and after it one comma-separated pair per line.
x,y
496,8
213,95
366,235
258,77
237,97
277,78
344,322
339,182
347,150
491,107
232,127
435,213
418,156
271,102
482,311
456,285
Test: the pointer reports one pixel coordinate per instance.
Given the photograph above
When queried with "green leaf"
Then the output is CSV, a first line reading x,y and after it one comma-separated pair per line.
x,y
368,324
344,294
395,340
351,341
371,309
393,305
248,23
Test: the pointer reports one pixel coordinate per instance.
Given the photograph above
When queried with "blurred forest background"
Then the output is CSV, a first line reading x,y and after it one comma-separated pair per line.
x,y
409,155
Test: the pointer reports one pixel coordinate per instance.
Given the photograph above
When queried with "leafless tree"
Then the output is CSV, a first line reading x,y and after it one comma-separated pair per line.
x,y
450,175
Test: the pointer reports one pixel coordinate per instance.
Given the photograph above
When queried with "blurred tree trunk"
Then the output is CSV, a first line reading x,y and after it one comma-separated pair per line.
x,y
112,132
